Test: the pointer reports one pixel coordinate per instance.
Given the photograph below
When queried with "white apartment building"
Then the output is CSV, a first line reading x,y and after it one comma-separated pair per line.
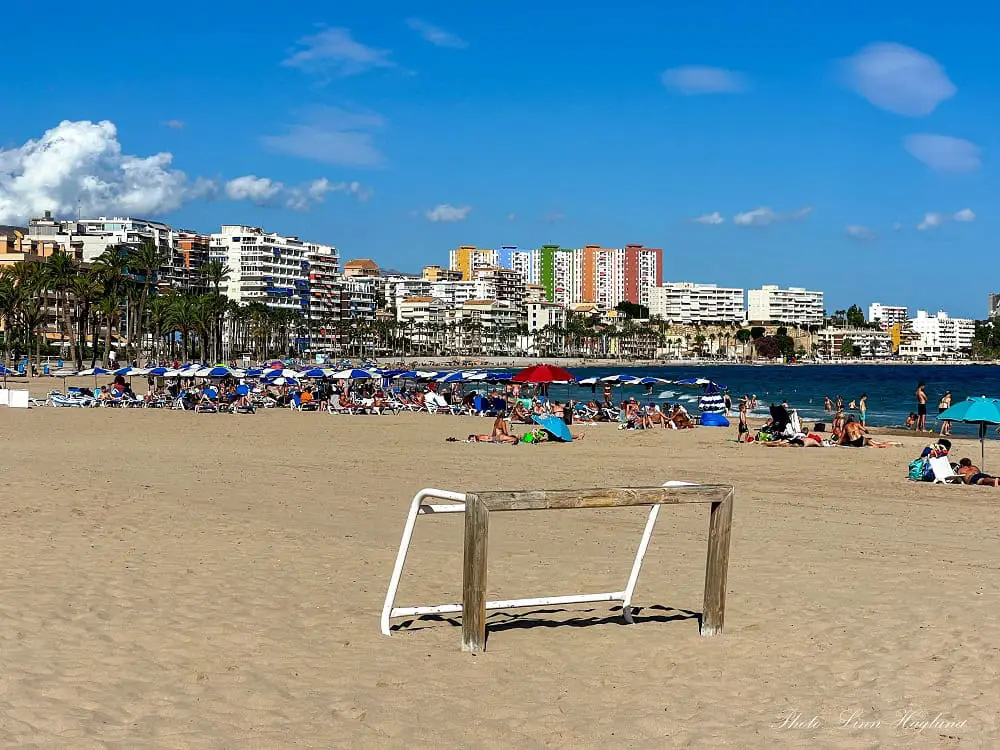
x,y
358,298
398,288
483,325
506,284
795,306
88,238
872,342
685,302
457,293
939,335
886,315
542,314
520,261
422,319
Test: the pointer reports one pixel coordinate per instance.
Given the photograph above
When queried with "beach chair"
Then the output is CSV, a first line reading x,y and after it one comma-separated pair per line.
x,y
336,408
943,473
297,404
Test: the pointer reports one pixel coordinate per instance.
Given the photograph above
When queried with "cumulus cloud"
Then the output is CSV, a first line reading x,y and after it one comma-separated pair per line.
x,y
436,35
446,212
934,219
897,78
334,52
332,135
701,79
764,216
262,191
859,232
944,153
713,218
82,165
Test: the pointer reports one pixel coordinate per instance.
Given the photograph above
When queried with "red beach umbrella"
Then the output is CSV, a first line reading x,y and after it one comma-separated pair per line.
x,y
542,374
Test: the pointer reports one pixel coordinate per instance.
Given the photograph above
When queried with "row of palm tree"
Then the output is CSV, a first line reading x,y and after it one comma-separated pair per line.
x,y
115,303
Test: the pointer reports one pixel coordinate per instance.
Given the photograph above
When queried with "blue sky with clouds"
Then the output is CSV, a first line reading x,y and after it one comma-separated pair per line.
x,y
845,148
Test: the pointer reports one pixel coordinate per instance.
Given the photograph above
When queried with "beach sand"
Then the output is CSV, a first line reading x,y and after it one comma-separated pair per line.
x,y
206,581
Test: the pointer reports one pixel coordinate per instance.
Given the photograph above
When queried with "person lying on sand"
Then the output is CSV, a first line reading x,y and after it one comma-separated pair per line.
x,y
500,434
855,435
809,441
971,474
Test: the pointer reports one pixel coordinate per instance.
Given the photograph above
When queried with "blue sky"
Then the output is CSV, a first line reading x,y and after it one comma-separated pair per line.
x,y
847,150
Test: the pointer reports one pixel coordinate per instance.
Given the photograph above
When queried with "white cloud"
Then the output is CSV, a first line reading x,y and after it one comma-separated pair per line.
x,y
859,232
899,79
944,153
763,216
265,192
332,135
713,218
511,216
175,124
931,221
334,52
896,226
447,212
701,79
553,216
436,35
934,219
82,164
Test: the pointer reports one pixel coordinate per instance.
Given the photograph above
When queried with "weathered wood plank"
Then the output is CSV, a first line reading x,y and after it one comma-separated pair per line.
x,y
477,529
717,566
613,497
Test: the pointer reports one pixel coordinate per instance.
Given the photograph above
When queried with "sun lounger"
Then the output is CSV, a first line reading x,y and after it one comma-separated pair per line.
x,y
78,402
942,470
300,406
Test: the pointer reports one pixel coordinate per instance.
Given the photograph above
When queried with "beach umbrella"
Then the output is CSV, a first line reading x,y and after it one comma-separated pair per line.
x,y
499,376
279,380
621,379
94,371
652,381
542,374
711,400
555,427
315,372
219,371
254,372
131,371
980,411
159,372
280,372
352,374
592,380
461,377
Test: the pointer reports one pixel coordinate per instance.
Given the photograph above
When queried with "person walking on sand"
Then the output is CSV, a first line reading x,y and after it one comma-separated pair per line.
x,y
863,408
921,394
943,404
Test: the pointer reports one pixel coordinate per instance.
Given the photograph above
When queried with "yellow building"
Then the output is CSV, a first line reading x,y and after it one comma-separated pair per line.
x,y
467,259
436,273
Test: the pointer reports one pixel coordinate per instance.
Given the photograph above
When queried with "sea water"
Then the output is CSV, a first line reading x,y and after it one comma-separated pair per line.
x,y
890,388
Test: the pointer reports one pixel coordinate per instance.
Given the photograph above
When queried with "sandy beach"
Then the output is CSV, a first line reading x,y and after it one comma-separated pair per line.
x,y
207,581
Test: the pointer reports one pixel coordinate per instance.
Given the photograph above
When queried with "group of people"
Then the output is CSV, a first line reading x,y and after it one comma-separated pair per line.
x,y
965,471
917,421
837,406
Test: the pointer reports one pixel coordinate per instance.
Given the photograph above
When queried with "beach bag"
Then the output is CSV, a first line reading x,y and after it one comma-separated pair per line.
x,y
918,466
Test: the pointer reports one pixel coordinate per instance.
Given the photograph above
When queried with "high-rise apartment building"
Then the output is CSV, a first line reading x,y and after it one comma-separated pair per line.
x,y
886,315
285,273
684,302
507,284
795,306
468,259
552,268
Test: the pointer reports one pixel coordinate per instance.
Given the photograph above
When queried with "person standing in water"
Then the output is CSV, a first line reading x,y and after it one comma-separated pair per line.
x,y
863,407
944,404
921,394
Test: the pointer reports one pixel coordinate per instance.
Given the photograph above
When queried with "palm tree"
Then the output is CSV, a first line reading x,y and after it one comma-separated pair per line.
x,y
144,262
58,274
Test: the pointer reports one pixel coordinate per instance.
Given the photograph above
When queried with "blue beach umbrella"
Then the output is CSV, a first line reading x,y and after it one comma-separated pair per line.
x,y
159,372
214,372
254,372
499,376
315,373
621,379
352,374
592,380
555,427
978,410
652,381
95,371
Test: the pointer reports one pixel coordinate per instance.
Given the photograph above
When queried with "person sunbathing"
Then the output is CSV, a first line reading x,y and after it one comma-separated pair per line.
x,y
807,441
520,414
346,403
971,474
500,434
657,417
680,419
856,436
